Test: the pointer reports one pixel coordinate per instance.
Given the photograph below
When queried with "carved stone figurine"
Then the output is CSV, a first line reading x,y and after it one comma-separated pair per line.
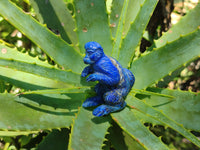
x,y
114,84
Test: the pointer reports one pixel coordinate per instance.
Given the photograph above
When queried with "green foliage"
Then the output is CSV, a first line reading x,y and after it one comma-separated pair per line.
x,y
85,128
53,106
60,16
40,35
57,139
92,27
185,105
136,31
42,111
167,56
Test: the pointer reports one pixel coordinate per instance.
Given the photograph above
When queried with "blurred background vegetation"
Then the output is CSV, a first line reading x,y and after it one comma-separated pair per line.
x,y
167,13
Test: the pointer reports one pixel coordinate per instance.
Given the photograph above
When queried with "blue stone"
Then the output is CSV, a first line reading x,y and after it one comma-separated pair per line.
x,y
115,82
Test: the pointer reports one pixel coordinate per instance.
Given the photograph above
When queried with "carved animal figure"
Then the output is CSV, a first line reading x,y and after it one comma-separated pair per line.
x,y
114,84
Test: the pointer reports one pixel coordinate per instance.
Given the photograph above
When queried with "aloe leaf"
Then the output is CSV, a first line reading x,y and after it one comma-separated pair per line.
x,y
12,53
131,143
160,62
116,138
25,80
128,121
59,91
146,119
29,81
165,81
106,146
53,45
186,104
16,133
119,33
88,132
92,24
2,86
61,20
57,139
133,11
51,73
145,92
135,32
36,112
158,115
121,140
187,24
115,15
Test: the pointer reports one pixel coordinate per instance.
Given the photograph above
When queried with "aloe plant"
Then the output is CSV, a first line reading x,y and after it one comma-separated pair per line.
x,y
53,94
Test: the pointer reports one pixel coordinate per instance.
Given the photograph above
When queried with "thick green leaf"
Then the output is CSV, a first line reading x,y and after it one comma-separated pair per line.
x,y
121,140
141,106
59,91
132,12
29,81
128,121
2,86
51,73
115,15
187,24
16,133
92,23
25,80
145,92
131,143
185,109
36,112
119,33
55,140
60,20
165,81
153,66
146,119
53,45
88,132
12,53
135,32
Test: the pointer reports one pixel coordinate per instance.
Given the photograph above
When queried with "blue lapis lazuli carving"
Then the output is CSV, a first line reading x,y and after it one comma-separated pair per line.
x,y
114,83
